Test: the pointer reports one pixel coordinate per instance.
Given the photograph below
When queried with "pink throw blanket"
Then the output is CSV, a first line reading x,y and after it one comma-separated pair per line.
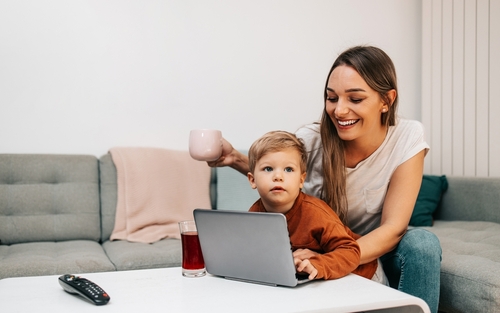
x,y
157,188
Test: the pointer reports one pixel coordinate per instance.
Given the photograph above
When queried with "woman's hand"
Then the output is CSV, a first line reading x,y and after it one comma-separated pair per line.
x,y
232,158
225,158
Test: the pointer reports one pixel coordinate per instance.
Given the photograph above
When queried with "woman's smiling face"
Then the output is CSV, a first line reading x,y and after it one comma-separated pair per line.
x,y
354,107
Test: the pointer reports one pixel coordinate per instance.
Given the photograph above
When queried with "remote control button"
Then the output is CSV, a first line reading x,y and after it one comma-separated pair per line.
x,y
69,277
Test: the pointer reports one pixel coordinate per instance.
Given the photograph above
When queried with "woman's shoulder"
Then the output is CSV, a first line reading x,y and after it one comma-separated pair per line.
x,y
406,130
407,138
407,125
308,130
310,136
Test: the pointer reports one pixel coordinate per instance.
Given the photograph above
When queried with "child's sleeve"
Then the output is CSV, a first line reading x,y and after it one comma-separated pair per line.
x,y
342,253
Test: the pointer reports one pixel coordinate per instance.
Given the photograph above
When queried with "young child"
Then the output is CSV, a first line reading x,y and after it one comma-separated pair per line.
x,y
323,246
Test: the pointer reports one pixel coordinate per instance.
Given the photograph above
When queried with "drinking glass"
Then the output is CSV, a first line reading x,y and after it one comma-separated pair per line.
x,y
193,264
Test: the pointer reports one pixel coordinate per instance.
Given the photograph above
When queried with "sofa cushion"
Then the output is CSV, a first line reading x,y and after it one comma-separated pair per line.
x,y
127,255
470,267
470,199
48,198
234,191
53,258
428,199
231,189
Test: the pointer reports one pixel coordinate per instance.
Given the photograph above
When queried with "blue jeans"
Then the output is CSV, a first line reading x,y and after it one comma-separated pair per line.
x,y
414,266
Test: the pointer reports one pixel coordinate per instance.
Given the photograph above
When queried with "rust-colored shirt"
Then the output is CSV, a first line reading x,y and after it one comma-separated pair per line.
x,y
313,225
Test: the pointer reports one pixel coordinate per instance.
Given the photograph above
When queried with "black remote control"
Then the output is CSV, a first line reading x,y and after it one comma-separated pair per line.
x,y
85,288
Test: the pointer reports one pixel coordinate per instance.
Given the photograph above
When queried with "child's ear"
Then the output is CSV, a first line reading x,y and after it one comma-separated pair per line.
x,y
302,179
251,179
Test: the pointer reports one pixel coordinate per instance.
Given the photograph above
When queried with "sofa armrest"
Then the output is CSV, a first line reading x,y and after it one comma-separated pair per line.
x,y
470,199
108,194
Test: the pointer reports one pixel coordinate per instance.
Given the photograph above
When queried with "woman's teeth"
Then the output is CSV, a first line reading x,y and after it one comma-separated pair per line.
x,y
347,123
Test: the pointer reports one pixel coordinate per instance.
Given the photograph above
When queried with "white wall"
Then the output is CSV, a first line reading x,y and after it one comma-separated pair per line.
x,y
85,76
460,79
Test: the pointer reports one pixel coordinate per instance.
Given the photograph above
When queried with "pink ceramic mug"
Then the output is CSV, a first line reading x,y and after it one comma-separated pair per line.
x,y
205,144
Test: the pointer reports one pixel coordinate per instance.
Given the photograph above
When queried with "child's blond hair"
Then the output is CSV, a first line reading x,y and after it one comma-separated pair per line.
x,y
275,141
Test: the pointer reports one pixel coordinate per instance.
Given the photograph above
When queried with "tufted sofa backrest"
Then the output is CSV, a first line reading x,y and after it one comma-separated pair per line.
x,y
471,199
48,198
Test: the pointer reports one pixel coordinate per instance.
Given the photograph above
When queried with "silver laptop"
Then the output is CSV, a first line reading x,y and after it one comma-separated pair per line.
x,y
247,246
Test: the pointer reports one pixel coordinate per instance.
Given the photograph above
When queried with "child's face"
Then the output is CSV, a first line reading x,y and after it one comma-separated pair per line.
x,y
278,179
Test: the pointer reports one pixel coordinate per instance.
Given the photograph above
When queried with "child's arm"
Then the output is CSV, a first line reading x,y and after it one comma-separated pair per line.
x,y
332,249
341,259
342,253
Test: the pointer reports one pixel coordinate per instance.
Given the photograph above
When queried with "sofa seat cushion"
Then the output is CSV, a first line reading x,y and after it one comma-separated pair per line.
x,y
127,255
470,267
53,258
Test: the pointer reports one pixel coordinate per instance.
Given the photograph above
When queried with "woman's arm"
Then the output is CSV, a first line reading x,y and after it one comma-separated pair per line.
x,y
232,158
398,207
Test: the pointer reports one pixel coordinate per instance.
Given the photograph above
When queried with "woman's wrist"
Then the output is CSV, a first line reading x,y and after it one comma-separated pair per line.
x,y
240,162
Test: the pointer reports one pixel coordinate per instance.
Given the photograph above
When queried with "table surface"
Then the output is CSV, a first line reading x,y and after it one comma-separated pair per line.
x,y
168,290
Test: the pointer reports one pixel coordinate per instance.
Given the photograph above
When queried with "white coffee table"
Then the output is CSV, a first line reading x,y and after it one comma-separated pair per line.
x,y
166,290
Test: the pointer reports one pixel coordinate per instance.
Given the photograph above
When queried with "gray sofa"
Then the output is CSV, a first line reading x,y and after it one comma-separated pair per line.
x,y
57,213
467,223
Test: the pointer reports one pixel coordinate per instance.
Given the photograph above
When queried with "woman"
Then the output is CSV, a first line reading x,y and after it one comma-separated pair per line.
x,y
367,164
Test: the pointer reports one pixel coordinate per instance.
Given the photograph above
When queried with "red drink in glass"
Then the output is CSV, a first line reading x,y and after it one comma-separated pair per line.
x,y
193,264
192,258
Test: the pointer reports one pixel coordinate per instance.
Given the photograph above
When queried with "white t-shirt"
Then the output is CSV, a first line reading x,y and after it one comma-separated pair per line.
x,y
367,183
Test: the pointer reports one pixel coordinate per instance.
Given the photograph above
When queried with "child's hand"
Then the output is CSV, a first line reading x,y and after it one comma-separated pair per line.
x,y
305,266
303,254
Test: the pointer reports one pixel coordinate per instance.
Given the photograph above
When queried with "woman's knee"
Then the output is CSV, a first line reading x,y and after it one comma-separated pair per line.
x,y
422,242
